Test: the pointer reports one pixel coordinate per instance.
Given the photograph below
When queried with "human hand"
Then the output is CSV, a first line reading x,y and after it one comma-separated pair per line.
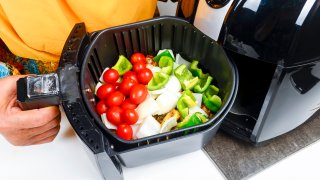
x,y
22,128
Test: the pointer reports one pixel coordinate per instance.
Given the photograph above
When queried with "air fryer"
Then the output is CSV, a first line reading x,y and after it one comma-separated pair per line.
x,y
82,62
274,44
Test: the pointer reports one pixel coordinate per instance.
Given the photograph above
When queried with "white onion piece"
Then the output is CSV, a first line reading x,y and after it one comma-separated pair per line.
x,y
101,77
106,122
150,126
97,87
154,69
198,97
135,128
166,102
147,108
168,124
159,91
175,65
180,60
170,51
173,84
197,109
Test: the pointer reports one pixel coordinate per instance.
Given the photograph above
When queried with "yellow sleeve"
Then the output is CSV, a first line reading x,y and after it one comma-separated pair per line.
x,y
38,29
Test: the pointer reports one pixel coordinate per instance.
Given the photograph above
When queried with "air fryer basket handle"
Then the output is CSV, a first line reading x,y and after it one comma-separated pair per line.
x,y
74,106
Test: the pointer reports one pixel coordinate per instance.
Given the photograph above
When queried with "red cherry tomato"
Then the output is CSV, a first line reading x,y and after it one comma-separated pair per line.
x,y
111,76
126,85
130,116
124,131
116,85
127,104
105,90
138,66
101,107
130,75
114,115
144,76
137,57
138,93
115,99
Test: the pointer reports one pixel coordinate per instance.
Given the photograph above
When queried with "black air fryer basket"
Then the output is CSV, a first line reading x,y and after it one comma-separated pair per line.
x,y
86,55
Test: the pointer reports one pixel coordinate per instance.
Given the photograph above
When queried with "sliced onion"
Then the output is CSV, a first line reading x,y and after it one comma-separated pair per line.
x,y
97,87
150,126
101,77
159,91
197,109
147,108
106,122
168,124
170,51
180,60
173,84
154,69
198,97
135,128
166,102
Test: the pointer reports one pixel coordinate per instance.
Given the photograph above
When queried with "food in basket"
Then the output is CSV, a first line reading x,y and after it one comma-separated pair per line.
x,y
150,95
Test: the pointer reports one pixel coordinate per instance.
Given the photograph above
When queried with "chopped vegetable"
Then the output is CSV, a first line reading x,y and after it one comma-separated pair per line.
x,y
158,80
123,65
212,90
181,60
106,122
165,52
186,101
195,70
203,84
191,120
166,64
147,108
213,102
168,124
185,77
166,102
150,126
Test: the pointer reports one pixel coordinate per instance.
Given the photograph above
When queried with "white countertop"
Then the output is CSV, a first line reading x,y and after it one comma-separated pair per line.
x,y
65,159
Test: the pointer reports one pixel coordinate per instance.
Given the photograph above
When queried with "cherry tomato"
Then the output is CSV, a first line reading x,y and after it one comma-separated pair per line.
x,y
130,75
105,90
126,85
137,57
101,107
138,66
138,93
124,131
111,76
116,85
129,116
114,115
127,104
144,76
115,99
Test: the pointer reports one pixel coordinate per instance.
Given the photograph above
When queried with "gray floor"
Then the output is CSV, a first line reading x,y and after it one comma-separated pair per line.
x,y
240,160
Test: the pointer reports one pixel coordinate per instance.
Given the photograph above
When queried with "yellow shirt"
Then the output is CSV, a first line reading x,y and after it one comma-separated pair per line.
x,y
38,29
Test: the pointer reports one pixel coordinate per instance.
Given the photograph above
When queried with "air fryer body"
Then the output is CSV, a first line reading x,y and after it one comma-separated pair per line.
x,y
274,45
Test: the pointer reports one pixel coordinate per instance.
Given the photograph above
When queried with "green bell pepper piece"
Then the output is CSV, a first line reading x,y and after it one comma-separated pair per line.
x,y
211,90
213,103
123,65
195,70
204,83
166,64
185,77
186,101
190,120
158,80
164,53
